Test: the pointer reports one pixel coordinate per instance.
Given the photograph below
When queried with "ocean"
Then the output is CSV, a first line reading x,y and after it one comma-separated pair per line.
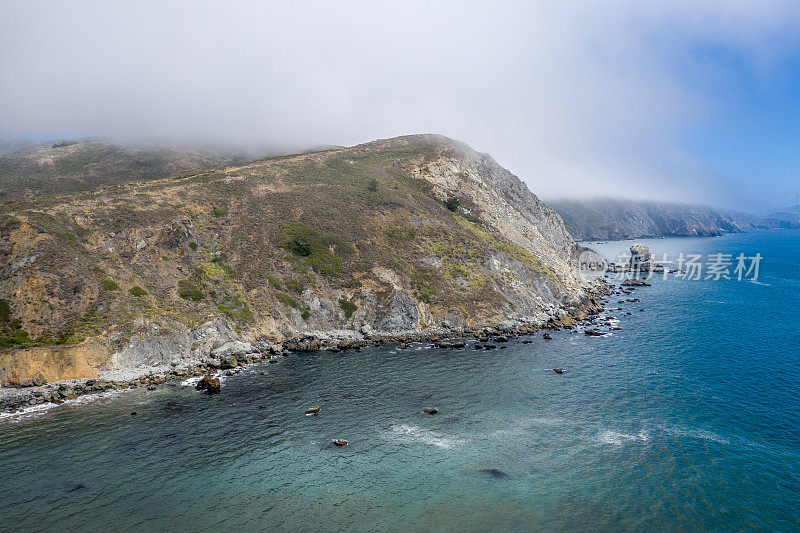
x,y
687,418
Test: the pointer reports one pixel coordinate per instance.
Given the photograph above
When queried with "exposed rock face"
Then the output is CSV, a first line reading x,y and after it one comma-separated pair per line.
x,y
400,314
294,250
233,348
503,201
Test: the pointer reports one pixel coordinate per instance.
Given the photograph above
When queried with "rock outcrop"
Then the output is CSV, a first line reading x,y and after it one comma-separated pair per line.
x,y
640,259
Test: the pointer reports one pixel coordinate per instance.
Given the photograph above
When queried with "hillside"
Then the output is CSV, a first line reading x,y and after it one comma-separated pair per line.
x,y
69,167
393,237
611,219
788,217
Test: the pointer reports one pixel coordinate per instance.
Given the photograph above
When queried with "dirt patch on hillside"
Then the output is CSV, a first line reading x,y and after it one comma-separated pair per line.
x,y
53,363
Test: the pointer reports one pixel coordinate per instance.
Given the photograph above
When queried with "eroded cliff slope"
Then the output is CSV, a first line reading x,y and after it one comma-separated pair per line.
x,y
392,237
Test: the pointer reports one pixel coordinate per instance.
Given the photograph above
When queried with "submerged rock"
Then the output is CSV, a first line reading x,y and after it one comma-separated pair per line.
x,y
558,370
495,473
430,411
593,333
547,337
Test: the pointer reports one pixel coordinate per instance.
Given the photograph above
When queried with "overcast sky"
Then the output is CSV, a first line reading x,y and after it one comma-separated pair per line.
x,y
687,100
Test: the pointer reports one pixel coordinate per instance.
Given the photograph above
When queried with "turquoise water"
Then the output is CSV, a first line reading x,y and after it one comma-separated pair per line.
x,y
686,419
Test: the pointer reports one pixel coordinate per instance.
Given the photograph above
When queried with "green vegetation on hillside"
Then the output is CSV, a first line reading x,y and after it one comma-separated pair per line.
x,y
357,221
11,332
137,291
110,285
347,306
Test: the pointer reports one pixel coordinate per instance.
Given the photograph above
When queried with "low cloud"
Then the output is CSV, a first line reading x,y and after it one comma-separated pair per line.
x,y
578,98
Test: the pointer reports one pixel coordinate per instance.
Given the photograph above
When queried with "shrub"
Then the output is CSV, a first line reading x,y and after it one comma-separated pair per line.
x,y
348,307
219,211
110,285
288,300
275,282
189,291
301,248
137,291
305,314
372,186
193,245
325,263
306,242
452,203
234,307
165,258
293,284
11,332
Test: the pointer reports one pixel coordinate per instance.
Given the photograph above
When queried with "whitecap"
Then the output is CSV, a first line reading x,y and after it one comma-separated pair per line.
x,y
191,382
409,433
27,412
40,409
616,438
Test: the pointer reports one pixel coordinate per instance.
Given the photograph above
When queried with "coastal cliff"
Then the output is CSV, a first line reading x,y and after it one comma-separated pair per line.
x,y
417,235
615,219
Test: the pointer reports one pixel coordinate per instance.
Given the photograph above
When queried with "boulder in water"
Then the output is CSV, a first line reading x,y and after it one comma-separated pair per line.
x,y
208,384
312,410
558,370
547,337
340,442
430,411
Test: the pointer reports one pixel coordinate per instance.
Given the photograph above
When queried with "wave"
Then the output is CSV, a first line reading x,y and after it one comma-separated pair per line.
x,y
40,409
616,438
409,433
701,434
191,382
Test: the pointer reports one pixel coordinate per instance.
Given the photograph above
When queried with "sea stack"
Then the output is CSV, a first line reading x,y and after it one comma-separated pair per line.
x,y
640,260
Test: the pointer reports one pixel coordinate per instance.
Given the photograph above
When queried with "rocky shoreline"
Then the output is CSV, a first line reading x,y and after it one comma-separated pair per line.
x,y
233,355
